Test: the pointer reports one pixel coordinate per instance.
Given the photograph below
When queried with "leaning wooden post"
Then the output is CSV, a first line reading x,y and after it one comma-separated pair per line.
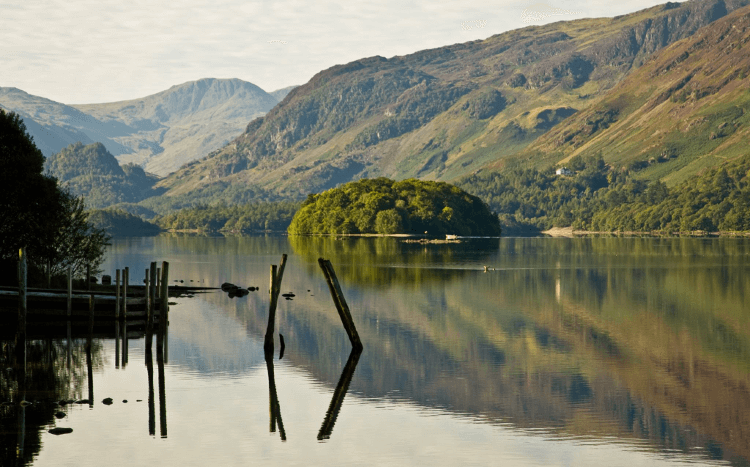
x,y
70,290
276,276
117,294
340,302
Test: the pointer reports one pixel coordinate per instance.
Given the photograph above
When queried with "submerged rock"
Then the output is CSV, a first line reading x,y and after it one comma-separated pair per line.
x,y
60,431
107,401
60,415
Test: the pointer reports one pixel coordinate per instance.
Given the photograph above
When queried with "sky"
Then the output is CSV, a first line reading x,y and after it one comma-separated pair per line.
x,y
96,51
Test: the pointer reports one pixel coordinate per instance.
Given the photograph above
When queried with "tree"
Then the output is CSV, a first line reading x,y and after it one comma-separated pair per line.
x,y
35,213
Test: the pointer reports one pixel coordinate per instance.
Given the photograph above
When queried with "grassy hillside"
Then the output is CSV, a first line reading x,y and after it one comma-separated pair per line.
x,y
686,109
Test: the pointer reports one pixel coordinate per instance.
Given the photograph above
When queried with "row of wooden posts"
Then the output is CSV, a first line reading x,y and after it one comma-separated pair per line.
x,y
157,285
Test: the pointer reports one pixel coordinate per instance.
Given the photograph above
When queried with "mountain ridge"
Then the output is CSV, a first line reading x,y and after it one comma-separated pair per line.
x,y
440,113
160,132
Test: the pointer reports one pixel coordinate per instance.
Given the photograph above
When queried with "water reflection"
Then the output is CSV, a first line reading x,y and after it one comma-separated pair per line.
x,y
338,395
30,389
636,339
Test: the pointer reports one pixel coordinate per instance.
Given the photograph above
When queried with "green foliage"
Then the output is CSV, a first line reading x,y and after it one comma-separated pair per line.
x,y
485,104
252,217
36,214
120,223
91,171
382,206
599,199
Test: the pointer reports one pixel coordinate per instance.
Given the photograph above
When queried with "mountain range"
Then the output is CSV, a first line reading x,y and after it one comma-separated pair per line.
x,y
660,93
451,111
160,132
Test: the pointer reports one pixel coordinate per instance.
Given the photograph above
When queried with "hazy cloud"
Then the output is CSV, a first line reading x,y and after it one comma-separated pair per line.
x,y
106,50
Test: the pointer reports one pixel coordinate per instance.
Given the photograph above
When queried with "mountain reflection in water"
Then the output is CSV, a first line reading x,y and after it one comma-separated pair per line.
x,y
640,346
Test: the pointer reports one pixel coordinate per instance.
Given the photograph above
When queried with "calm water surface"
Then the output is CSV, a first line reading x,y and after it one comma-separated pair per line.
x,y
595,351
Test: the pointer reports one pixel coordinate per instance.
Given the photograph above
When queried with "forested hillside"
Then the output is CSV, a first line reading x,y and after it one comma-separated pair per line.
x,y
91,171
597,198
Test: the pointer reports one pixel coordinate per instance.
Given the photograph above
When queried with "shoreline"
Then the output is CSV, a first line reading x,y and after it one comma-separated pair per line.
x,y
569,232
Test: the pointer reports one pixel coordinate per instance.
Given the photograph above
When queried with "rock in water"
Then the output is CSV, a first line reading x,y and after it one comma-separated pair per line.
x,y
60,431
107,401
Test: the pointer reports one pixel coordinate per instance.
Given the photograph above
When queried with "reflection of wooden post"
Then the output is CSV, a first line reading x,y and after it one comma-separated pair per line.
x,y
22,293
162,394
276,276
151,410
274,408
70,290
90,335
117,294
338,395
90,370
125,279
340,302
70,345
124,343
117,344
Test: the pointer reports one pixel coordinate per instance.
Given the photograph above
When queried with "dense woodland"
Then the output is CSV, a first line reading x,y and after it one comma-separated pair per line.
x,y
383,206
119,223
251,217
91,171
599,198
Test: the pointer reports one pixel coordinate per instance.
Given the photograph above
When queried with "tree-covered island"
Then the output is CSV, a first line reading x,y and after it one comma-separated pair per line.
x,y
387,207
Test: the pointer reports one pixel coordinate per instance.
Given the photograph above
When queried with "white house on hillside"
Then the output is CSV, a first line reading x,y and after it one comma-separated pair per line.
x,y
563,171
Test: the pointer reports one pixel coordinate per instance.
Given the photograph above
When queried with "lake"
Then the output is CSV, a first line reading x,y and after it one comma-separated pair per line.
x,y
565,352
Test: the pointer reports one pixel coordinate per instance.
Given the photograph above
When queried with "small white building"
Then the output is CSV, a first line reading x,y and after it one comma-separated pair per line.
x,y
563,171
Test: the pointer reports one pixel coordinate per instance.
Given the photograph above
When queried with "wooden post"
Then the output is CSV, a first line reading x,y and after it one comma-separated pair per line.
x,y
150,298
125,279
340,302
268,342
276,276
22,275
88,277
117,294
70,290
49,273
164,298
158,282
